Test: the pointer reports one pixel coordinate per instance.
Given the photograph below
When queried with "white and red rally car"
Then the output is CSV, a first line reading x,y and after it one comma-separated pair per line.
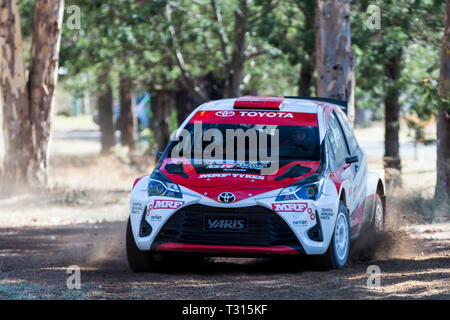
x,y
317,198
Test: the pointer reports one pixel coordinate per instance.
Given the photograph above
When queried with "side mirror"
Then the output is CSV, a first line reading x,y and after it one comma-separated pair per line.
x,y
351,159
158,155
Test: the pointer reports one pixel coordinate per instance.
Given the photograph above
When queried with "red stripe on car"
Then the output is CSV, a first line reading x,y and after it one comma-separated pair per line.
x,y
275,117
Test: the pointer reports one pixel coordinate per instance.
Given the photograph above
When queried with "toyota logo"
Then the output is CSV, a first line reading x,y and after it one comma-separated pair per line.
x,y
225,113
226,197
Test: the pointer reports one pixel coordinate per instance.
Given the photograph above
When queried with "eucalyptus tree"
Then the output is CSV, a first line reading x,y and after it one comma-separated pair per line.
x,y
443,116
291,29
27,100
334,52
214,36
383,52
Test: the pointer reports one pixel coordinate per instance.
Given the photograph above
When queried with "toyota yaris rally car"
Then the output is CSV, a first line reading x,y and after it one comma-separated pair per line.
x,y
257,177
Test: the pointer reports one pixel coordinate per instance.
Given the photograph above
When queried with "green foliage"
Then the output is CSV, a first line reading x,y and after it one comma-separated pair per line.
x,y
404,29
133,37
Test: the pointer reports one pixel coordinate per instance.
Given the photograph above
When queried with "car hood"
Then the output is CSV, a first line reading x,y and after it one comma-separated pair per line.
x,y
244,180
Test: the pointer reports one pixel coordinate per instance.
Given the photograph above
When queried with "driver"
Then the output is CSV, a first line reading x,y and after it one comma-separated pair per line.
x,y
297,139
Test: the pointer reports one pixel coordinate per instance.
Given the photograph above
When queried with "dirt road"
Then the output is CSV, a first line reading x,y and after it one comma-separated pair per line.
x,y
34,260
81,221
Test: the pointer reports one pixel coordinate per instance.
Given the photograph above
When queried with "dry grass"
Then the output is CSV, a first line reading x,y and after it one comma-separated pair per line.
x,y
83,187
415,199
90,189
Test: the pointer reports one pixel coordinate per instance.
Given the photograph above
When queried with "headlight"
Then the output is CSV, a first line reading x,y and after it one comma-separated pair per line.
x,y
310,191
165,189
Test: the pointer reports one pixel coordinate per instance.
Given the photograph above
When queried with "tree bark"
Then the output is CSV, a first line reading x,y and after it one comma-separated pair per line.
x,y
442,190
183,104
305,82
105,113
128,117
305,79
236,65
43,73
334,53
17,130
27,105
161,105
392,163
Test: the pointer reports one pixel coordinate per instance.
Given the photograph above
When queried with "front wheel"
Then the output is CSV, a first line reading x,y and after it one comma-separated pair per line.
x,y
338,251
139,261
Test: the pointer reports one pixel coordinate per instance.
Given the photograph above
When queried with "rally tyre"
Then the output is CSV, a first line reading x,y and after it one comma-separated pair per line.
x,y
338,251
377,225
139,261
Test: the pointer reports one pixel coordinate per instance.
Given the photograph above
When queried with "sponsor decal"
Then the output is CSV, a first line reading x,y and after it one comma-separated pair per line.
x,y
326,213
224,113
234,175
226,197
256,117
300,223
221,166
155,217
246,166
136,208
290,207
266,114
214,175
149,209
167,204
260,114
225,224
312,216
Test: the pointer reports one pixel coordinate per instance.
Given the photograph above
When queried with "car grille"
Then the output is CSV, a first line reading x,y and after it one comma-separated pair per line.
x,y
264,228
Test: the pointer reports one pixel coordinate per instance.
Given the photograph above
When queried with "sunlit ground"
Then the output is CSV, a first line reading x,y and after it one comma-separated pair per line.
x,y
81,220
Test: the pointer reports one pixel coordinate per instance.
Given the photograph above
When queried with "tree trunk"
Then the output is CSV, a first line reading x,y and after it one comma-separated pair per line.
x,y
128,117
305,80
334,53
27,106
443,118
162,104
17,130
183,104
392,163
105,113
47,28
236,65
307,68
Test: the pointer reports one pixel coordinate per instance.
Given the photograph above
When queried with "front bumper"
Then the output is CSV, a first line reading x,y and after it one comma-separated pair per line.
x,y
266,233
276,227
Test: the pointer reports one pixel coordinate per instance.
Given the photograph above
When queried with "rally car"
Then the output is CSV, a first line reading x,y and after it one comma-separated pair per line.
x,y
257,177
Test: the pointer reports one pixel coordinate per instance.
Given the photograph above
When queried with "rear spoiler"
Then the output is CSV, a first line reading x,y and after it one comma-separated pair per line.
x,y
342,104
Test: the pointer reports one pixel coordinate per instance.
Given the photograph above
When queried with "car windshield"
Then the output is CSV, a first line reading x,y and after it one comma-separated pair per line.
x,y
234,141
